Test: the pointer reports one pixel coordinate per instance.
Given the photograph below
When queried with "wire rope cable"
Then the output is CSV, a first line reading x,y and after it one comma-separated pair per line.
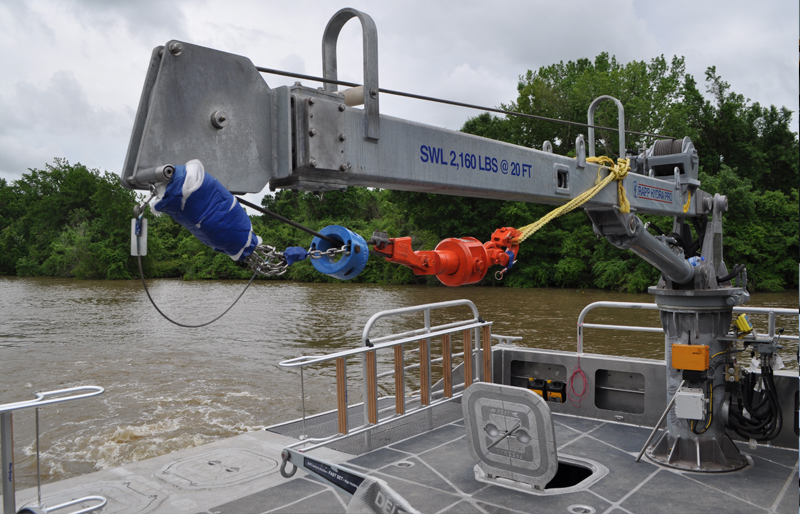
x,y
141,275
283,73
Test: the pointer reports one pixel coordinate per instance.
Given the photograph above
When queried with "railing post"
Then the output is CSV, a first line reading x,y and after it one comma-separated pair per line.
x,y
487,353
372,389
447,366
399,380
467,358
424,372
7,458
341,394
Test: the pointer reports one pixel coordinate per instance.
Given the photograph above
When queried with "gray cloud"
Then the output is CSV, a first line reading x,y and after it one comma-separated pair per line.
x,y
141,19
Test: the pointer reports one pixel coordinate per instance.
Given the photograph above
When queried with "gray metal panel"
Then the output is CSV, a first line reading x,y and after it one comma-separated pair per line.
x,y
654,373
655,382
249,147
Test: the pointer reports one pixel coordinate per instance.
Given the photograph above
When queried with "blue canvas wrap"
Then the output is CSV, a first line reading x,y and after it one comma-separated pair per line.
x,y
208,214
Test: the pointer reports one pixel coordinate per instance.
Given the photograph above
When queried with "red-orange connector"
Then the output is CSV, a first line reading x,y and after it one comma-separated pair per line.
x,y
455,261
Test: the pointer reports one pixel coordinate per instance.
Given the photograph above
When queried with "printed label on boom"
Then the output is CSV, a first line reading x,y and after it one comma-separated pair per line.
x,y
657,194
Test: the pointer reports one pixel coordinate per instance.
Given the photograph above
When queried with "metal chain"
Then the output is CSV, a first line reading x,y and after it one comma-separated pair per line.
x,y
330,252
267,260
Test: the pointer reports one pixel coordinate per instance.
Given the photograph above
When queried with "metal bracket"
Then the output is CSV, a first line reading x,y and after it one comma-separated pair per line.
x,y
199,103
580,151
330,69
620,115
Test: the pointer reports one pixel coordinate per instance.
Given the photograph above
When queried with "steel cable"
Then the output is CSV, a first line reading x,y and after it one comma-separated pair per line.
x,y
273,71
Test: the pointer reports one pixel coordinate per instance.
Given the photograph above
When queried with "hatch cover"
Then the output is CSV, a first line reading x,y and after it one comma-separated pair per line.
x,y
216,469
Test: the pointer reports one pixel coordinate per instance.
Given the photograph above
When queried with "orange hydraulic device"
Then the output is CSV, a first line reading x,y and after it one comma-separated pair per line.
x,y
455,261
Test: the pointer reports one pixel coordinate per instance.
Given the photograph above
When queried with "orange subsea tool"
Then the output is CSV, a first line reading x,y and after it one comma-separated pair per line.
x,y
455,261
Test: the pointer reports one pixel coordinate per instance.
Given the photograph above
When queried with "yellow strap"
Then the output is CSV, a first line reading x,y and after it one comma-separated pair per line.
x,y
688,202
616,171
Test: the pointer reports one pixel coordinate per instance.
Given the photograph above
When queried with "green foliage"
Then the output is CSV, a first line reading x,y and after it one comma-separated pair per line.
x,y
65,221
760,230
70,221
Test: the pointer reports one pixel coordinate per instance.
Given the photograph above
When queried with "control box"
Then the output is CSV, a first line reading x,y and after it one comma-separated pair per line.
x,y
690,403
692,357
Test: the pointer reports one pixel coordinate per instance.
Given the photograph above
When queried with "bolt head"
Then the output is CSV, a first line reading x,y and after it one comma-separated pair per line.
x,y
343,167
175,48
373,93
312,101
312,163
219,119
312,132
342,107
342,137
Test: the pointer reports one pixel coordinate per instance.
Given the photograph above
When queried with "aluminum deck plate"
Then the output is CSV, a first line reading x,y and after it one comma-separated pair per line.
x,y
434,472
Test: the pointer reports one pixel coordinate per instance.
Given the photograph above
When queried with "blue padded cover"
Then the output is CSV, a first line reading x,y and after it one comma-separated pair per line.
x,y
209,212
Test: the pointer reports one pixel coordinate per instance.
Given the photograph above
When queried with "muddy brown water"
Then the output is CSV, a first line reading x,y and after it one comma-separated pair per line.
x,y
169,388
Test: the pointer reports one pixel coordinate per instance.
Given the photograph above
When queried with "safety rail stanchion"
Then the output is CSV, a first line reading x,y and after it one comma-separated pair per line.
x,y
447,366
487,353
399,381
7,445
341,394
372,389
424,372
467,358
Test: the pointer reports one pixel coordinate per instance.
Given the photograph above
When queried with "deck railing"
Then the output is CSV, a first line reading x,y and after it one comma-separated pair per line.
x,y
7,447
476,337
770,311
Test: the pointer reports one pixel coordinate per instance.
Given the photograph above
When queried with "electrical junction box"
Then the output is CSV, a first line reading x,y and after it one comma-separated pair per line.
x,y
690,403
693,357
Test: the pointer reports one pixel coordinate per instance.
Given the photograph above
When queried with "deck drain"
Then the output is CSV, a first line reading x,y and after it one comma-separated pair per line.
x,y
580,509
404,464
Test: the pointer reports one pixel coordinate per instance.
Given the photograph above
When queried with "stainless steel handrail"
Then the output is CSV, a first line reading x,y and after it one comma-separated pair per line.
x,y
40,400
425,308
770,311
317,359
427,332
103,501
7,447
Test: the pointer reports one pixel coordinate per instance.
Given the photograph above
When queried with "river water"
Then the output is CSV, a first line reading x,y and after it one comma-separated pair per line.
x,y
169,388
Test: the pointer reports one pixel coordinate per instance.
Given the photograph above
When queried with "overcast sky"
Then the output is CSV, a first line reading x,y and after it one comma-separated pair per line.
x,y
72,71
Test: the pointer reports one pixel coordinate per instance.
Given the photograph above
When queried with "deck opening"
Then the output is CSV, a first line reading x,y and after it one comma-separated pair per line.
x,y
568,475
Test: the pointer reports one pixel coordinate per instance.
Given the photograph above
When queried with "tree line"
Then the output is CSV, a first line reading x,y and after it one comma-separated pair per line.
x,y
66,220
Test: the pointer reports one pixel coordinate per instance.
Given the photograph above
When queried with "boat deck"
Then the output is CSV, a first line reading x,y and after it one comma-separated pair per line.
x,y
434,472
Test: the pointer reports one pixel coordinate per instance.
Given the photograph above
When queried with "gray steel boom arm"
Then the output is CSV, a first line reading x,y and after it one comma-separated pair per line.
x,y
214,106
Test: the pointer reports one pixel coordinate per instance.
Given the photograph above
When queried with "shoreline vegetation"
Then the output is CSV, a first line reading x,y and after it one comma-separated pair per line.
x,y
67,220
